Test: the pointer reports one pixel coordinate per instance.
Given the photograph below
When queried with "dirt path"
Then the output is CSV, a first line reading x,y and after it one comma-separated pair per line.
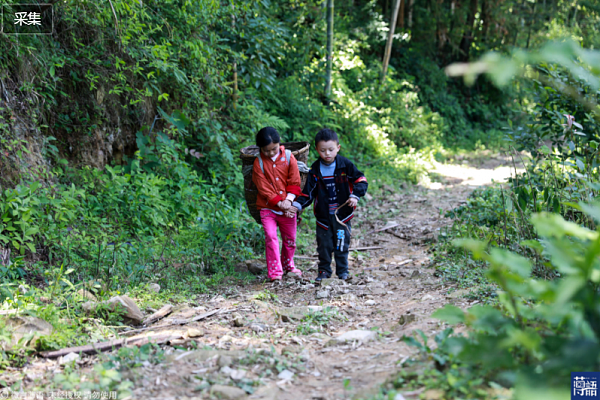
x,y
268,338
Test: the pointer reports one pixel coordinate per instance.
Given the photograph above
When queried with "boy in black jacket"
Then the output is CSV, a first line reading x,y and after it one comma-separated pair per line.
x,y
333,182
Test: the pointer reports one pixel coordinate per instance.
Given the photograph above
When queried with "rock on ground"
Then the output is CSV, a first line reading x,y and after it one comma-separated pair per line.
x,y
227,392
22,325
155,287
354,336
132,311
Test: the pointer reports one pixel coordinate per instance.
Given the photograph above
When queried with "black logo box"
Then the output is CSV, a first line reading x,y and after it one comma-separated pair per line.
x,y
27,19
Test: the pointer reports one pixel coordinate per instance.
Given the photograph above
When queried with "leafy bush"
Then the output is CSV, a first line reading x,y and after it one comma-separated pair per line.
x,y
544,329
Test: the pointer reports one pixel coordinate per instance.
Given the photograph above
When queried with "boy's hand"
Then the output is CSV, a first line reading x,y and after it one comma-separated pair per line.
x,y
352,202
284,205
293,210
290,214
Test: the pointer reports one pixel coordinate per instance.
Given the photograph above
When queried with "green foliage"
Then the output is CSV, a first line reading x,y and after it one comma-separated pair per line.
x,y
266,295
125,224
102,379
316,321
544,328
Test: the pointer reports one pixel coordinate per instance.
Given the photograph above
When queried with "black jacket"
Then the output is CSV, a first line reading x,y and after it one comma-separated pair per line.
x,y
348,180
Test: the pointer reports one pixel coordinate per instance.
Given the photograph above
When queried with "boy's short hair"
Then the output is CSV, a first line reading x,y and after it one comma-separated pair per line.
x,y
325,135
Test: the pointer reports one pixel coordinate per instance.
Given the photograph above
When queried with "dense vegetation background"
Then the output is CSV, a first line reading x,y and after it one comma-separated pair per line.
x,y
120,131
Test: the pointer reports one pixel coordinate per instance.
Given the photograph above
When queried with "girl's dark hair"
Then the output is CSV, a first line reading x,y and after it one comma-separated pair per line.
x,y
266,136
325,135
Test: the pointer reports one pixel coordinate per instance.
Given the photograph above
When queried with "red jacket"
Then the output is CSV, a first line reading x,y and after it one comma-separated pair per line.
x,y
277,181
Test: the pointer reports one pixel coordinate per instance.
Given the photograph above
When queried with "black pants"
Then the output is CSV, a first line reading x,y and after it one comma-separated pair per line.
x,y
334,240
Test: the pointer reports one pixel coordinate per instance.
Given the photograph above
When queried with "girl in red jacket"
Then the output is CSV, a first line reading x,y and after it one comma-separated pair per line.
x,y
275,174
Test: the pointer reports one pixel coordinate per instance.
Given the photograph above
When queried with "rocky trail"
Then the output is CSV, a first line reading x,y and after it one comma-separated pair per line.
x,y
296,340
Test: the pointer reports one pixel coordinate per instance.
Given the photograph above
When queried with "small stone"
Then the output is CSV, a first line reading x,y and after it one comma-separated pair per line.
x,y
296,313
331,282
67,359
193,332
21,326
370,302
256,267
86,294
154,287
434,394
289,350
285,375
238,321
398,396
89,306
415,274
225,361
226,339
22,289
270,392
258,327
227,392
322,294
132,311
354,336
407,319
237,374
368,197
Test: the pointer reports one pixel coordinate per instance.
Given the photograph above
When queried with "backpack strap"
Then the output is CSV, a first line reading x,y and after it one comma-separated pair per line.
x,y
288,155
260,161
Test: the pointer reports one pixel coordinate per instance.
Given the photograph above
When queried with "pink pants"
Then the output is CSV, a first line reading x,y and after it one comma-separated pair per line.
x,y
287,227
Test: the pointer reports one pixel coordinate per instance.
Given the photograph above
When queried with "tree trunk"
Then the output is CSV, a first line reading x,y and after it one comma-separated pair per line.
x,y
235,75
400,23
388,46
486,15
467,39
531,24
329,46
410,13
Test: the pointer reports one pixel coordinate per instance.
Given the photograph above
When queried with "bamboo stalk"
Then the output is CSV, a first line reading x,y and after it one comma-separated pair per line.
x,y
388,46
329,47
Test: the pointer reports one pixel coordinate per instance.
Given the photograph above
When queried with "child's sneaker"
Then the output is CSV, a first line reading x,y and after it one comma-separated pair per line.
x,y
322,275
345,277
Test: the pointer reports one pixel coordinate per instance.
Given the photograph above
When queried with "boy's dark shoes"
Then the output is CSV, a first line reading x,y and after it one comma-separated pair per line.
x,y
345,277
322,275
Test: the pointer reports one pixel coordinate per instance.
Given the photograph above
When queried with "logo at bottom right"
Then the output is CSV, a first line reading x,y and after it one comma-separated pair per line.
x,y
584,385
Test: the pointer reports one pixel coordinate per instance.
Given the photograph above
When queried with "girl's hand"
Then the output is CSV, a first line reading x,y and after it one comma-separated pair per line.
x,y
290,214
284,205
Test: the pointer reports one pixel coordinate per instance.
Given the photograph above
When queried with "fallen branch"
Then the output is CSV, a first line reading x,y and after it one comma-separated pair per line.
x,y
397,235
365,248
163,312
306,257
362,249
111,345
385,228
175,322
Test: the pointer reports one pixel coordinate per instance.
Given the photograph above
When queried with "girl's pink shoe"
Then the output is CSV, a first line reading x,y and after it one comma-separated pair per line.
x,y
295,272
